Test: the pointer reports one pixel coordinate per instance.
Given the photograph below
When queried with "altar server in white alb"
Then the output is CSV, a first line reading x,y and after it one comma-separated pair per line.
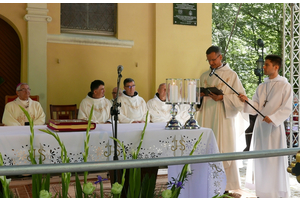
x,y
274,100
133,107
159,111
14,116
101,112
218,112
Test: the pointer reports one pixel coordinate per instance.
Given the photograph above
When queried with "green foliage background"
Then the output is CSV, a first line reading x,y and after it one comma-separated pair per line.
x,y
255,21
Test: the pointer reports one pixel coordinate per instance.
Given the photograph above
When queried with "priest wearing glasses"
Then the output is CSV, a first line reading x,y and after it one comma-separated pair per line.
x,y
220,112
133,107
14,116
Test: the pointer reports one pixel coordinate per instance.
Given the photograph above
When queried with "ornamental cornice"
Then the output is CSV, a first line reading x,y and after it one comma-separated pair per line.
x,y
37,12
89,40
37,18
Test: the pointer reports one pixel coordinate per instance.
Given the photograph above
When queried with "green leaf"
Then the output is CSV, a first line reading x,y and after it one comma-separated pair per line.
x,y
78,192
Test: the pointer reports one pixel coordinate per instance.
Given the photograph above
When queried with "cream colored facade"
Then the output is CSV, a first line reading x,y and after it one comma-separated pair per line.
x,y
60,67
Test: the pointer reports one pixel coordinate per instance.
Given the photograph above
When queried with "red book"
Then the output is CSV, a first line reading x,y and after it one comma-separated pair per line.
x,y
69,125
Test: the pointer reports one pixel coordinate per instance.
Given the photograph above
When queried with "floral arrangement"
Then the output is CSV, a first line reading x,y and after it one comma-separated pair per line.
x,y
40,182
138,187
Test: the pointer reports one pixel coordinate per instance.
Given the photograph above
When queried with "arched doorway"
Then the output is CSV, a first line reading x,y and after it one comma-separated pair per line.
x,y
10,62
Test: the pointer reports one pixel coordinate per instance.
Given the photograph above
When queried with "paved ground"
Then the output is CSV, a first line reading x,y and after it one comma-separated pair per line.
x,y
294,185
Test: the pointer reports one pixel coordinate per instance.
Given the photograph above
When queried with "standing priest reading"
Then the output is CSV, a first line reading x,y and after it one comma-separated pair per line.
x,y
274,100
218,112
133,107
101,112
14,116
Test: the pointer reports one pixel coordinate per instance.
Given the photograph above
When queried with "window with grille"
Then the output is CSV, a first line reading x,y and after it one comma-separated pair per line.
x,y
89,18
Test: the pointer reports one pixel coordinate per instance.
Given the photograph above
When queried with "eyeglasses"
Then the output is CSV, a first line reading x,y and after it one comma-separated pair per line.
x,y
130,86
213,59
24,89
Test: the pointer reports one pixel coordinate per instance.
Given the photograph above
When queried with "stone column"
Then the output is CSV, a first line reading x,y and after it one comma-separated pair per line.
x,y
37,20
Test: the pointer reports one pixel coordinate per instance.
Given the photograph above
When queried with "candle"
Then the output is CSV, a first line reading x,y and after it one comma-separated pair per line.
x,y
191,92
173,93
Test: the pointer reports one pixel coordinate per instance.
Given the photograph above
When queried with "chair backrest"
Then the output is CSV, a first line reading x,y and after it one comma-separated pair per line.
x,y
9,98
63,111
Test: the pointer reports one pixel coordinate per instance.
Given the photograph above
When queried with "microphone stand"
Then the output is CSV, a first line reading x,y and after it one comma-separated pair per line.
x,y
213,72
114,111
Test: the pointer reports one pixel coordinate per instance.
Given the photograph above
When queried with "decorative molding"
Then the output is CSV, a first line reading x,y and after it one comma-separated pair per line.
x,y
90,40
37,18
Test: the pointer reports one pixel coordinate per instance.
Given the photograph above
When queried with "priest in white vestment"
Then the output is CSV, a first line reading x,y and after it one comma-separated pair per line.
x,y
101,112
218,112
114,94
274,100
14,116
159,111
133,107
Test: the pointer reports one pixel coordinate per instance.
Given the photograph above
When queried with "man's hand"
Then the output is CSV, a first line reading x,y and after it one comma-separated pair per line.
x,y
202,94
243,98
267,119
215,97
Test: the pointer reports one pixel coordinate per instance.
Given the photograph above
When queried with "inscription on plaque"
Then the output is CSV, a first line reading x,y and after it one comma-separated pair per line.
x,y
185,14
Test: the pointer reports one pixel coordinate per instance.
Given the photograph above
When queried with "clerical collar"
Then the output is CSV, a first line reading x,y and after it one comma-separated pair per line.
x,y
90,94
135,93
25,103
159,98
223,64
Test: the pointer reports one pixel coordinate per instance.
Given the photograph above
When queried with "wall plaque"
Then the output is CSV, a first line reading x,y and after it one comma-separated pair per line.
x,y
185,13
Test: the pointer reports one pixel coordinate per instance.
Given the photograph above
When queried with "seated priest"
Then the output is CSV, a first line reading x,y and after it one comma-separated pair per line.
x,y
158,109
101,112
133,107
13,114
114,94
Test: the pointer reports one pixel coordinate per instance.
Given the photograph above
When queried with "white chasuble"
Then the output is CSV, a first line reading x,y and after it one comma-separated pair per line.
x,y
101,112
220,116
159,111
14,116
132,109
269,175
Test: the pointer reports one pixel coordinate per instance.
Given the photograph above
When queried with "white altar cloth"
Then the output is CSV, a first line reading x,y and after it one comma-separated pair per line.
x,y
207,179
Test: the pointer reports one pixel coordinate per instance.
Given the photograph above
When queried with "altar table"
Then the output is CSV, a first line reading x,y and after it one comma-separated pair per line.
x,y
207,179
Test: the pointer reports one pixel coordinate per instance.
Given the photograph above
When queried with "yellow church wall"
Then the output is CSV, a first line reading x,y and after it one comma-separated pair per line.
x,y
13,14
161,50
180,49
69,81
54,12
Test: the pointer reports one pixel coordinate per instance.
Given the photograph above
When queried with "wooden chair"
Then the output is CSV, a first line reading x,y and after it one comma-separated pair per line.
x,y
9,98
63,111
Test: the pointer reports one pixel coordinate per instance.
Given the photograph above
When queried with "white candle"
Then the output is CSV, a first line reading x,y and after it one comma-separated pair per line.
x,y
191,92
173,93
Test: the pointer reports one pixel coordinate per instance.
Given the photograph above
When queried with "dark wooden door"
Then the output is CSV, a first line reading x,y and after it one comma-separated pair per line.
x,y
10,62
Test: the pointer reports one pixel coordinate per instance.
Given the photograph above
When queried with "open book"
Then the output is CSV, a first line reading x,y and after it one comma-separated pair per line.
x,y
214,90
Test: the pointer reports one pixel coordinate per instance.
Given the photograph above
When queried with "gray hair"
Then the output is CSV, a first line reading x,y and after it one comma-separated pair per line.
x,y
19,86
161,85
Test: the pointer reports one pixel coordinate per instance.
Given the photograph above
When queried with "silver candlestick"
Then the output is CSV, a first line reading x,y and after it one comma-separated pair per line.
x,y
192,97
191,123
173,97
174,124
